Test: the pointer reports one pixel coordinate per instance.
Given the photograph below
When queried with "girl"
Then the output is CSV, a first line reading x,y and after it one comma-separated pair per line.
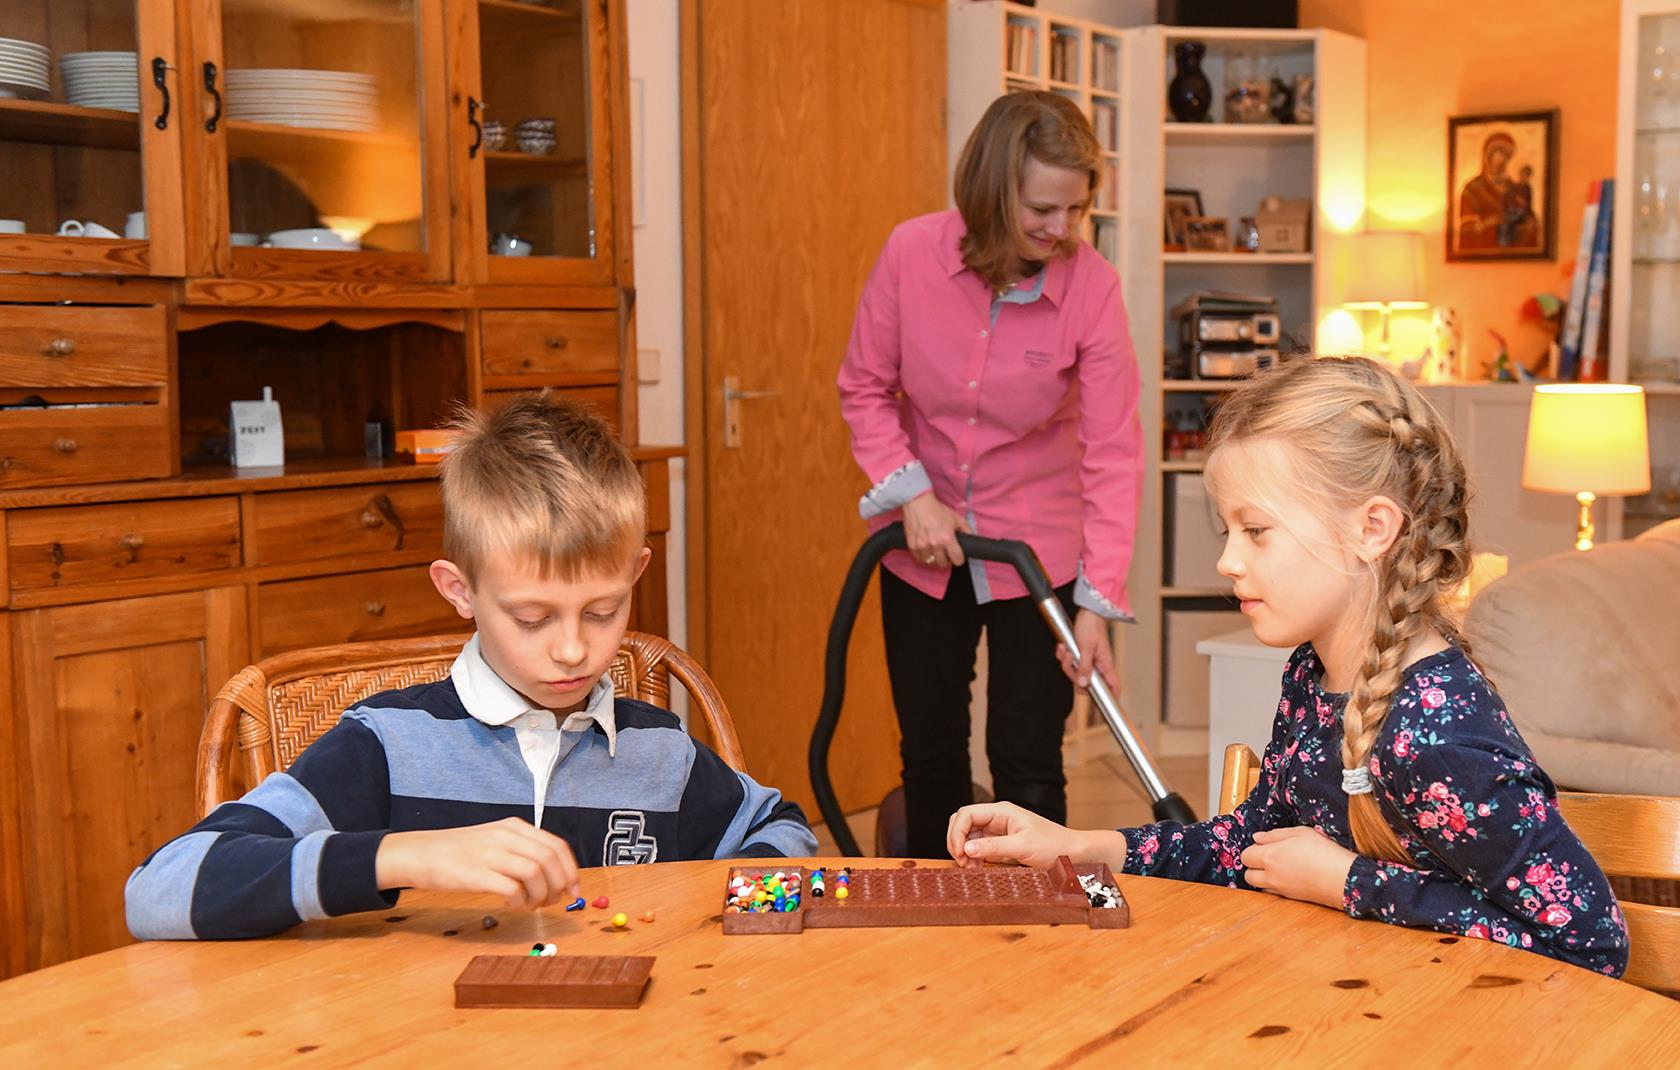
x,y
990,387
1395,786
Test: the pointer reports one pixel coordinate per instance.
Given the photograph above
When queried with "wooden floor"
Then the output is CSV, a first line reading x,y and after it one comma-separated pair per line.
x,y
1102,793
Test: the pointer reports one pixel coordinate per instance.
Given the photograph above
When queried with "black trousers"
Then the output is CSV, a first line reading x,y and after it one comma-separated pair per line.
x,y
931,646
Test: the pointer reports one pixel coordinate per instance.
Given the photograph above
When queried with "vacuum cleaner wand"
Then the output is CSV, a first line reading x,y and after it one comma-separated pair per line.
x,y
1166,805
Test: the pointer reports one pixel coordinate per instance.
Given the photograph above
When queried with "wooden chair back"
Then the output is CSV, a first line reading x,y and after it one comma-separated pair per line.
x,y
1242,772
1634,838
269,712
1636,841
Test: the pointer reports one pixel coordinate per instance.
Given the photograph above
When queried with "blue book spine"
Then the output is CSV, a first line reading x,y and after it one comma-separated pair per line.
x,y
1592,359
1569,342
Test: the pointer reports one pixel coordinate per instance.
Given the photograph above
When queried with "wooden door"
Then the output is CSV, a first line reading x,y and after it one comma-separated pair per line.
x,y
567,202
286,164
109,699
77,150
810,130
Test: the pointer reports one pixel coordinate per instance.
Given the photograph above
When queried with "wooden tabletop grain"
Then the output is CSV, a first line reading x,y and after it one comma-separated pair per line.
x,y
1204,976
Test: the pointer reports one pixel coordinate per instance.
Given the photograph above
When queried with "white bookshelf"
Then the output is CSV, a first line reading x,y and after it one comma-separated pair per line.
x,y
1232,166
1645,263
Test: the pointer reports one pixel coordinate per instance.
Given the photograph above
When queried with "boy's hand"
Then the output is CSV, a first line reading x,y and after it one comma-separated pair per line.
x,y
526,866
1004,832
1299,862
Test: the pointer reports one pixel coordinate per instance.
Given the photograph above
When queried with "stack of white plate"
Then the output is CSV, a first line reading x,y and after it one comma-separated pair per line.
x,y
101,79
25,70
322,100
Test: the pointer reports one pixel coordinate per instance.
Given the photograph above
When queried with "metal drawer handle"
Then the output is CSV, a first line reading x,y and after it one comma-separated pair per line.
x,y
555,341
375,609
61,347
381,510
371,519
65,446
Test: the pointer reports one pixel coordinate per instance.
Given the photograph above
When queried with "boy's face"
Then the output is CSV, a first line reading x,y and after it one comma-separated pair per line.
x,y
549,639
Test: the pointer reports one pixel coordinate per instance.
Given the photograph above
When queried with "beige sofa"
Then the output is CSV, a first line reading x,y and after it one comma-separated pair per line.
x,y
1585,650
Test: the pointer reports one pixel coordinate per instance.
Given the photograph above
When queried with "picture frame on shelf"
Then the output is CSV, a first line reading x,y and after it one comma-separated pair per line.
x,y
1502,186
1178,206
1207,234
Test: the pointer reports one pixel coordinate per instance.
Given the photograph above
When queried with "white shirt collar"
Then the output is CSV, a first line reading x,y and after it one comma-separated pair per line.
x,y
493,701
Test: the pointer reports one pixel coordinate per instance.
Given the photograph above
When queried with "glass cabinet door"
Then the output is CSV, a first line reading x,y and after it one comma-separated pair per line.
x,y
90,117
537,132
315,120
1653,353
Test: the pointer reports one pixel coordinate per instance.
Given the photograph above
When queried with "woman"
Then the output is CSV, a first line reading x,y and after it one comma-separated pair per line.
x,y
991,388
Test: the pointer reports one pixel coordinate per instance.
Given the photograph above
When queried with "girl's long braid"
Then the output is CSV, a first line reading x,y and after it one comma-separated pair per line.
x,y
1427,561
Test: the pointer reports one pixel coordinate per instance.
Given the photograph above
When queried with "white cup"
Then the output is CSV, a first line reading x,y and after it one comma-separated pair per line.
x,y
13,226
72,228
136,225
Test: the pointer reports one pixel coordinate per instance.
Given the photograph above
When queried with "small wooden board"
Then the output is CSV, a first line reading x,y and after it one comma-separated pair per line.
x,y
941,895
556,981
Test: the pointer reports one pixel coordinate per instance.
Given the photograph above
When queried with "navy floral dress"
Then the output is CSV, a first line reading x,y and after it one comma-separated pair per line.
x,y
1494,860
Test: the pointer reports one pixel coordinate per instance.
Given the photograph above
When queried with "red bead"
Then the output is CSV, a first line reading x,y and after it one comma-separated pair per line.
x,y
600,902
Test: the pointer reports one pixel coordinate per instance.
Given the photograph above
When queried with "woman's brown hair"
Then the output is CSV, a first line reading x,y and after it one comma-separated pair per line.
x,y
1355,430
1045,126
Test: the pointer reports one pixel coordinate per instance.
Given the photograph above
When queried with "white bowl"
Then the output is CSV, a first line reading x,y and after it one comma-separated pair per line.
x,y
312,238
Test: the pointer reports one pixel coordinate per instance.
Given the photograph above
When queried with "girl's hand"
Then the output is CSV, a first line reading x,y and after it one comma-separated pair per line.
x,y
527,866
1090,631
1004,832
1300,863
930,529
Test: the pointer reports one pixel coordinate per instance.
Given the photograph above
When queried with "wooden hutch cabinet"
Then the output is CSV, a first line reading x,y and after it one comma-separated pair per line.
x,y
334,199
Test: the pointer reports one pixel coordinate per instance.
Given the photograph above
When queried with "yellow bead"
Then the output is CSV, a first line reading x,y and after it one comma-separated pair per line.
x,y
620,921
841,892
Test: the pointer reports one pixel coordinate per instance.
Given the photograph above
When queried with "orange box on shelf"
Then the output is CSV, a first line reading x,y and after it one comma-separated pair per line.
x,y
426,446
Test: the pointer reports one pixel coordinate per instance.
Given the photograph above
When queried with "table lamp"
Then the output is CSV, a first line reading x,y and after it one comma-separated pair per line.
x,y
1385,272
1586,440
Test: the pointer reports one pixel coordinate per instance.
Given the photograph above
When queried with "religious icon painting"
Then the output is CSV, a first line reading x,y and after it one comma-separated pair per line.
x,y
1502,186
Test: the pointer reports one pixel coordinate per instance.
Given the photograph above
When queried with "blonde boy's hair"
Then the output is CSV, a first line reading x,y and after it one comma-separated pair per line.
x,y
546,483
987,185
1351,430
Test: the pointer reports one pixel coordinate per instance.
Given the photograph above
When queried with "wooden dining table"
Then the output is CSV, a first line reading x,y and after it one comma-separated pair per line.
x,y
1203,976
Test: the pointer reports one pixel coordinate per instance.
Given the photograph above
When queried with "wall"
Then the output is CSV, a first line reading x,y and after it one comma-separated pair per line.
x,y
656,145
1429,59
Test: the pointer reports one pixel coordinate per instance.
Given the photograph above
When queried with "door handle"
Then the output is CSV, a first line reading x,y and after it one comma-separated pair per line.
x,y
733,395
215,95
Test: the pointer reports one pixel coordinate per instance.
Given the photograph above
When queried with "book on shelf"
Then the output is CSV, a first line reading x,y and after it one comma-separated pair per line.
x,y
1593,352
1569,342
1107,233
1105,121
1105,66
1023,50
1064,57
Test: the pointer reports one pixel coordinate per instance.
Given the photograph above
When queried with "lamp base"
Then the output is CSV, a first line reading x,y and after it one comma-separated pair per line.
x,y
1584,528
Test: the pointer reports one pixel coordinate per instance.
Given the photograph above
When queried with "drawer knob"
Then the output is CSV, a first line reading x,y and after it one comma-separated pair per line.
x,y
555,341
371,519
375,609
65,446
132,542
61,347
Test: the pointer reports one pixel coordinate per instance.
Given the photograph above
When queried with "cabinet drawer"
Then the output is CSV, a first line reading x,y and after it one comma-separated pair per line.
x,y
79,545
95,445
392,603
308,525
602,400
549,348
57,347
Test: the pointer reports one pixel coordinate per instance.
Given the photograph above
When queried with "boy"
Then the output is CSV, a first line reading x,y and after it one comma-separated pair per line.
x,y
517,768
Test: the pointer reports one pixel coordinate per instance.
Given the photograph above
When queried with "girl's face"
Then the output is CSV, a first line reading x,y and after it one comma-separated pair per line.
x,y
1299,578
1052,205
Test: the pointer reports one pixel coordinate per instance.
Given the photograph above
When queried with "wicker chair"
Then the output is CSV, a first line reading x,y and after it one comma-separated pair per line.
x,y
282,704
1634,838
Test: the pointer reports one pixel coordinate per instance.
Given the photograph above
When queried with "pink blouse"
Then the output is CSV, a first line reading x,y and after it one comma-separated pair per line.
x,y
1021,413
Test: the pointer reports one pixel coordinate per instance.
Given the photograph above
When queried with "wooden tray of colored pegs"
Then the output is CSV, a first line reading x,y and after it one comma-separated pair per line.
x,y
946,895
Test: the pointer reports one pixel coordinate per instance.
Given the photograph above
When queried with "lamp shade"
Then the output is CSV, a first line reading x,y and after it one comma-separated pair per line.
x,y
1385,267
1587,437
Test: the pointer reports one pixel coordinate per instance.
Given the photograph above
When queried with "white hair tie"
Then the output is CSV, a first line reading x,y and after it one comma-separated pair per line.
x,y
1357,781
